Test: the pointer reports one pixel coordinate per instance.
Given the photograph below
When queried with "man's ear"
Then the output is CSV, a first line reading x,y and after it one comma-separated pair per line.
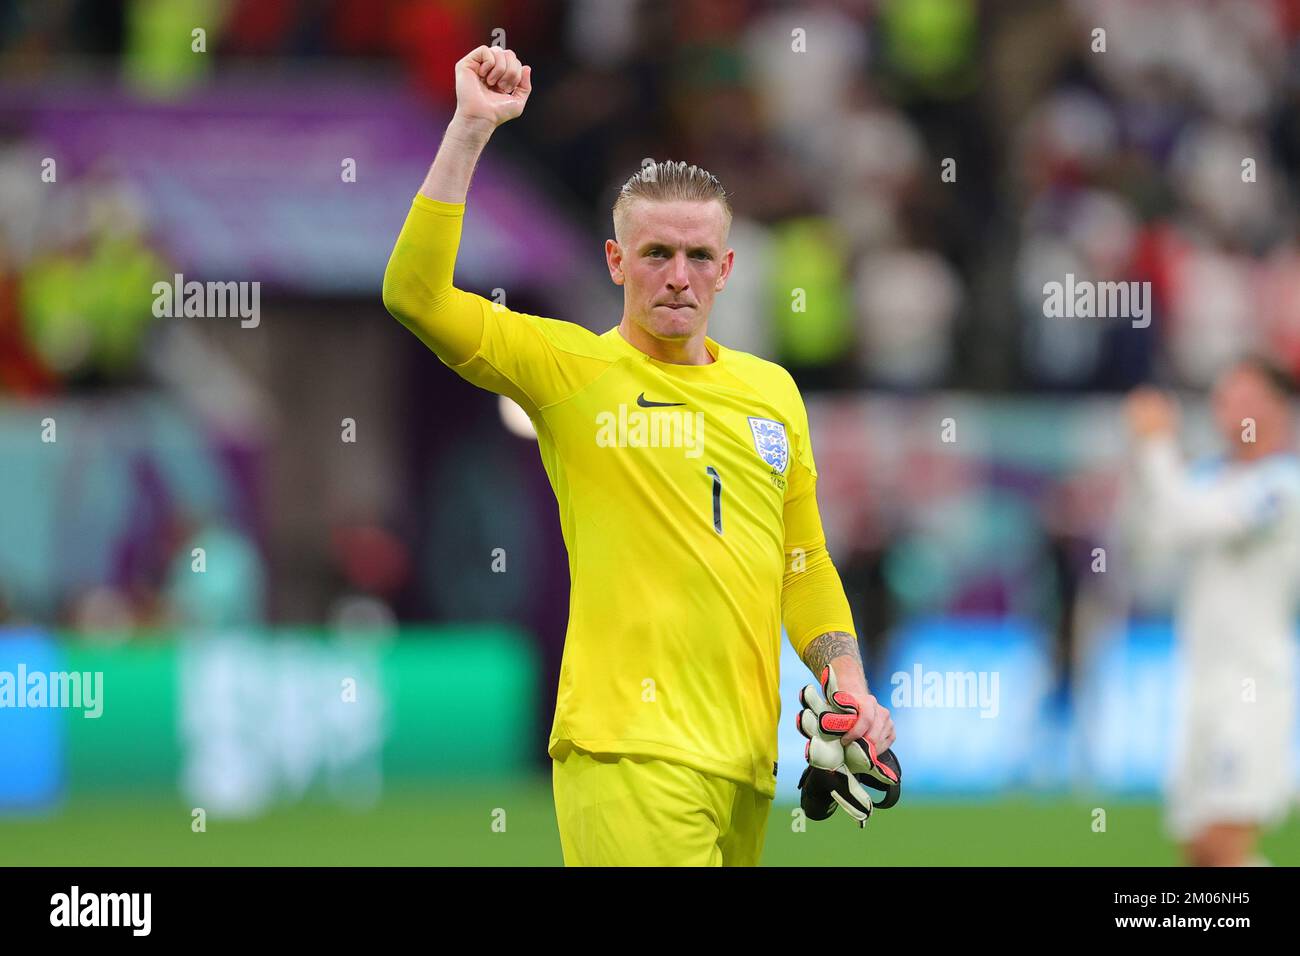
x,y
614,260
728,260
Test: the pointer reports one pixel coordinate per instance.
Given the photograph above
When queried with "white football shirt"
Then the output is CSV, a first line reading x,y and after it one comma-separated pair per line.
x,y
1235,528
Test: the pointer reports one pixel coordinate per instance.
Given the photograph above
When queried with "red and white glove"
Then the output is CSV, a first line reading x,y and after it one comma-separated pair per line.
x,y
839,775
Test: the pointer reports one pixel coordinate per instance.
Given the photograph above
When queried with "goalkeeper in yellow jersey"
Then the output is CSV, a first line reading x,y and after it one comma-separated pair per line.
x,y
686,486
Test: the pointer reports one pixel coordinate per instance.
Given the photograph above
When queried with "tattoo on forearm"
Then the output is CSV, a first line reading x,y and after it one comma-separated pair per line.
x,y
818,654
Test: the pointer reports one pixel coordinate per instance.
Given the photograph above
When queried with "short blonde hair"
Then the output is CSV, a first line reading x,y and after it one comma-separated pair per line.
x,y
670,182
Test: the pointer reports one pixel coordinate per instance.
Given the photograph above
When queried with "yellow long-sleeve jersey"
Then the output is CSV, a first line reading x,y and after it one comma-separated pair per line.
x,y
688,507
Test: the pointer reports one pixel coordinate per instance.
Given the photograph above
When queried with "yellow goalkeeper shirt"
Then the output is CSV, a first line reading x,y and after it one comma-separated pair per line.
x,y
687,503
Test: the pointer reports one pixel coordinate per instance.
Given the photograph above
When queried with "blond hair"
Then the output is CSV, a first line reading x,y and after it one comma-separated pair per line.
x,y
670,182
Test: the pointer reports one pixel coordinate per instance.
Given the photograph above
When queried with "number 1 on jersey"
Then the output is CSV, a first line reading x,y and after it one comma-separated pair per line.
x,y
717,499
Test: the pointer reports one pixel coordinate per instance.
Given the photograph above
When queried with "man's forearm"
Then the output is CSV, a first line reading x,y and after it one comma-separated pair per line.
x,y
838,650
453,167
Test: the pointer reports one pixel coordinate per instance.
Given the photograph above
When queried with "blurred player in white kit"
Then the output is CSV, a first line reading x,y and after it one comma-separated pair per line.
x,y
1233,524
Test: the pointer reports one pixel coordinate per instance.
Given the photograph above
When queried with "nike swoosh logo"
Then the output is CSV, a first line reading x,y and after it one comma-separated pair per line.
x,y
646,403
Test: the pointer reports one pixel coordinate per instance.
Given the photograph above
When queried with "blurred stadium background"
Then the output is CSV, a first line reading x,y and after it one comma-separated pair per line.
x,y
127,157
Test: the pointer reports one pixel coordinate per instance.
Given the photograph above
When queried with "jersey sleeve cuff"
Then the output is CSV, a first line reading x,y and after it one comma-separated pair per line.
x,y
422,201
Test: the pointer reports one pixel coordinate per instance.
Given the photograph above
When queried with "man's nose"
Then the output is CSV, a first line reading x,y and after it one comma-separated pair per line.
x,y
679,276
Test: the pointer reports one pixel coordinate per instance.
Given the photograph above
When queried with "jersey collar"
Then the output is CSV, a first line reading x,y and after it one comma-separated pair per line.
x,y
718,352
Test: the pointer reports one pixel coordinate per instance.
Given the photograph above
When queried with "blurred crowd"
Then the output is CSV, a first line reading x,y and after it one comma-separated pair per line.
x,y
915,169
906,175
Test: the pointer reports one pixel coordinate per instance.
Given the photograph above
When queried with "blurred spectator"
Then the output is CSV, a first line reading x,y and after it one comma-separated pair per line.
x,y
86,305
216,580
811,300
907,301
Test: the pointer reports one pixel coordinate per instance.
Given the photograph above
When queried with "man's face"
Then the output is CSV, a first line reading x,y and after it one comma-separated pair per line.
x,y
671,264
1244,393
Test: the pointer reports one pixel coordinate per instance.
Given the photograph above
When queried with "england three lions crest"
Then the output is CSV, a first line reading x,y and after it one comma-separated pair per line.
x,y
771,443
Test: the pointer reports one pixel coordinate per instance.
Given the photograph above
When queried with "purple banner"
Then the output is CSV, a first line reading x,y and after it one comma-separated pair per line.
x,y
246,182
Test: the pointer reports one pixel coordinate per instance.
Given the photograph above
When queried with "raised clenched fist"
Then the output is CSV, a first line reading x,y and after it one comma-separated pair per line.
x,y
492,85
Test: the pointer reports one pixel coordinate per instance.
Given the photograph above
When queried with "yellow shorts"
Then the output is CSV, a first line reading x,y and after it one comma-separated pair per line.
x,y
618,810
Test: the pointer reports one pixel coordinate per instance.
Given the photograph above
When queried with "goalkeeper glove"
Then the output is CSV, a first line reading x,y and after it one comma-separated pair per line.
x,y
839,775
882,770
